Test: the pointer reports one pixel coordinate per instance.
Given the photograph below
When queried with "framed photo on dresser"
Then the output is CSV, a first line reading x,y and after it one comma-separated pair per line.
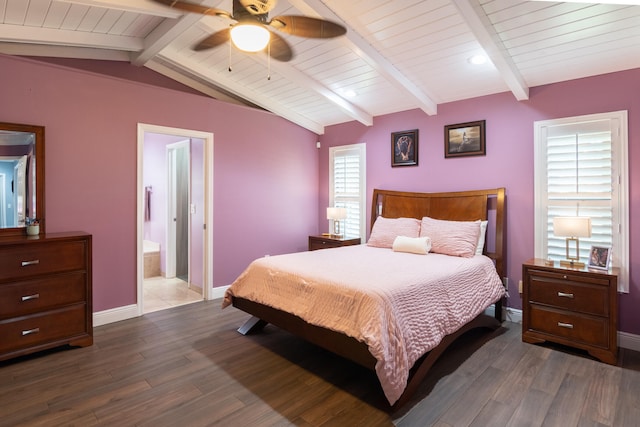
x,y
600,257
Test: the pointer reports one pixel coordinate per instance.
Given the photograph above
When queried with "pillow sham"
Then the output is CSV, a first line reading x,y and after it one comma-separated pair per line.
x,y
414,245
385,230
456,238
481,237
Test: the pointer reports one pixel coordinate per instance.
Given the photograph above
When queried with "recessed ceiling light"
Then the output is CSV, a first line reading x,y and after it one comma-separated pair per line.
x,y
477,59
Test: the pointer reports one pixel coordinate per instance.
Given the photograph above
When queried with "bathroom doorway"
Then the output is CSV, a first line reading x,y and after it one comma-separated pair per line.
x,y
174,207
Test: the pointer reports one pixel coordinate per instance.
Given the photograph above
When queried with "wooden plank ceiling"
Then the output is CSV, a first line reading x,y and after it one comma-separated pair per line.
x,y
397,55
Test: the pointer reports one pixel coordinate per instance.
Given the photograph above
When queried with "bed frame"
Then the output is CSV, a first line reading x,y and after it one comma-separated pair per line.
x,y
460,206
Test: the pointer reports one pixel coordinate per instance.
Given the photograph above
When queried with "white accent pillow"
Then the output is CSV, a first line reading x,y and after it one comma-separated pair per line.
x,y
481,237
456,238
385,230
414,245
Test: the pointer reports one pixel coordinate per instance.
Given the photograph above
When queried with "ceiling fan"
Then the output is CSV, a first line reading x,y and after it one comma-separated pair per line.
x,y
249,30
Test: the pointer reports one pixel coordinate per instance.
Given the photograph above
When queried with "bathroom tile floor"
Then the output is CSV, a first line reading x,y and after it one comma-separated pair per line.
x,y
161,293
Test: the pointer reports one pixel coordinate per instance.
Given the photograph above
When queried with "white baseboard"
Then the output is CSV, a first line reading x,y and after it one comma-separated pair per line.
x,y
630,341
513,315
217,292
115,315
130,311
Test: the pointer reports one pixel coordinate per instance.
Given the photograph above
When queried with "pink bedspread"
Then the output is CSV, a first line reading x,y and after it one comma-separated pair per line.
x,y
401,305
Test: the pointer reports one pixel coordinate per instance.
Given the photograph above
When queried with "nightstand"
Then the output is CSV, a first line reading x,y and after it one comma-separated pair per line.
x,y
325,242
573,307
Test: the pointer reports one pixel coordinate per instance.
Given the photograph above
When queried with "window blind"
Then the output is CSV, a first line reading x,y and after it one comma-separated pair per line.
x,y
347,186
579,183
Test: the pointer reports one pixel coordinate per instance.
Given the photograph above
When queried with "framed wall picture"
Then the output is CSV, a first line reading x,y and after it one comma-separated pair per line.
x,y
600,257
465,139
404,148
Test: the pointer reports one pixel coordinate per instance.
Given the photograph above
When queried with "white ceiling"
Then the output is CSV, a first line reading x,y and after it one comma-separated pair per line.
x,y
397,55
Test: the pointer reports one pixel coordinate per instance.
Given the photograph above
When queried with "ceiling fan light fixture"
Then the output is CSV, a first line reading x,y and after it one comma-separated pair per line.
x,y
250,37
477,60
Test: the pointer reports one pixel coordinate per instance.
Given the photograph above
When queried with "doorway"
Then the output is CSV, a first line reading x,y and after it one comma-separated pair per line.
x,y
174,208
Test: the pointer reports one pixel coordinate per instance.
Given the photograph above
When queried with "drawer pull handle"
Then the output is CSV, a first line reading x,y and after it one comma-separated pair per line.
x,y
30,331
565,295
565,325
30,297
34,262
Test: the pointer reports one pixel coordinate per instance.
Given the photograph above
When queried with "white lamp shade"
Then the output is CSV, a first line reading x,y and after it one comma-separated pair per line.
x,y
572,226
336,213
249,37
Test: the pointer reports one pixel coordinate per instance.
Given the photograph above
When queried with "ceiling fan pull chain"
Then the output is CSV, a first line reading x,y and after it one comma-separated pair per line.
x,y
229,55
269,60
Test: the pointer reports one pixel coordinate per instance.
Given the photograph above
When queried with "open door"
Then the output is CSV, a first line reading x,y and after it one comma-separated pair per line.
x,y
178,207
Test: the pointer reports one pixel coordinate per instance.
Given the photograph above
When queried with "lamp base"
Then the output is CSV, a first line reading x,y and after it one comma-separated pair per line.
x,y
571,264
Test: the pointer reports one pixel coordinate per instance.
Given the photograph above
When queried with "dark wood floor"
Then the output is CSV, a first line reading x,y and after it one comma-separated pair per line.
x,y
187,366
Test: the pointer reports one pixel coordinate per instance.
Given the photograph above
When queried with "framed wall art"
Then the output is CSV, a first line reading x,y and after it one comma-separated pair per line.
x,y
404,148
465,139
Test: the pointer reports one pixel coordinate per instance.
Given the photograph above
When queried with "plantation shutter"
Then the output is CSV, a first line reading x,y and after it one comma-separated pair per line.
x,y
347,187
579,173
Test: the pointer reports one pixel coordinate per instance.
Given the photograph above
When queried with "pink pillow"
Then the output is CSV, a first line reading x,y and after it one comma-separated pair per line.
x,y
385,230
456,238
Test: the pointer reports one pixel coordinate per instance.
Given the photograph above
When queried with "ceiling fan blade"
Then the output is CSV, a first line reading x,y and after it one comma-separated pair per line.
x,y
194,8
304,26
215,39
279,49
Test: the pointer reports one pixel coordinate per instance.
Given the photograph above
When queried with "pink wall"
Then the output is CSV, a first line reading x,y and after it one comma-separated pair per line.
x,y
265,168
509,159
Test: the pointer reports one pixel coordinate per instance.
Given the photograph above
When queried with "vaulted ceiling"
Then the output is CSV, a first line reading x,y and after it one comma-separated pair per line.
x,y
396,55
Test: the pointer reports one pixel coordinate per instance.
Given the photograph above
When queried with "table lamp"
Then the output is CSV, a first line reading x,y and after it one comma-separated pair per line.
x,y
572,227
336,214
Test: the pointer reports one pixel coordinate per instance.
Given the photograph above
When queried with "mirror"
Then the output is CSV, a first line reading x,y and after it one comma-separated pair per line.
x,y
21,177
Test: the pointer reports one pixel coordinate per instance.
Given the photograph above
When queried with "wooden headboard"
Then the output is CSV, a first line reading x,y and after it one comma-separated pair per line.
x,y
455,206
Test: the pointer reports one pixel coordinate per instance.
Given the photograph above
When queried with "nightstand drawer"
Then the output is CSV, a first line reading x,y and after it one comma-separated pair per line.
x,y
323,244
567,294
589,330
326,242
20,298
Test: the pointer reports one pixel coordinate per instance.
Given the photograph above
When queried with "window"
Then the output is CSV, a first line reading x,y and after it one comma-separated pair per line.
x,y
347,187
581,170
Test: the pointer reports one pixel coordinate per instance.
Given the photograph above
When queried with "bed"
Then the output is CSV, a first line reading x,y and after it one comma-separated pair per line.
x,y
390,310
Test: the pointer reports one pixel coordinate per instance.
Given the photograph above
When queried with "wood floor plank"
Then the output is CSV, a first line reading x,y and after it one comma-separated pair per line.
x,y
602,395
187,366
568,402
532,409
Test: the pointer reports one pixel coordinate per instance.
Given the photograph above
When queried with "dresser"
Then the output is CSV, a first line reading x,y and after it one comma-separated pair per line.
x,y
328,241
573,307
45,292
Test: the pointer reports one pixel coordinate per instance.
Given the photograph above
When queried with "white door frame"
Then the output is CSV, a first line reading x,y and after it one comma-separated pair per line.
x,y
3,202
207,287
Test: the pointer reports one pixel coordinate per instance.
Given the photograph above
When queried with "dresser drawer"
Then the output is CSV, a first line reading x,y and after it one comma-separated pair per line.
x,y
570,295
588,330
20,298
48,257
45,327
